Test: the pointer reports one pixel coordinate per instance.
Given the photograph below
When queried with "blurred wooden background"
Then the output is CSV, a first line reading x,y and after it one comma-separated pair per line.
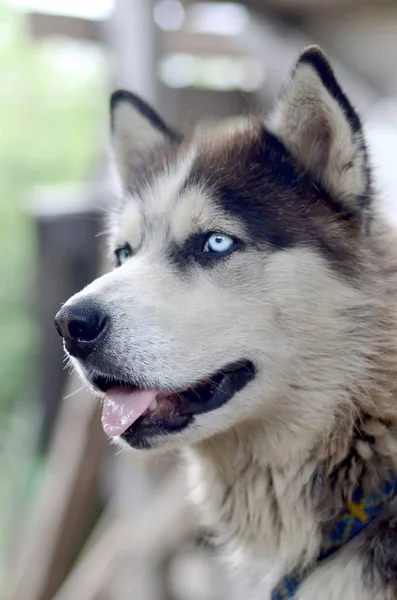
x,y
108,527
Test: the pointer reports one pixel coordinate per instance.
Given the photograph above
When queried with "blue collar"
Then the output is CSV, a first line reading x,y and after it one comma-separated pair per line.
x,y
352,519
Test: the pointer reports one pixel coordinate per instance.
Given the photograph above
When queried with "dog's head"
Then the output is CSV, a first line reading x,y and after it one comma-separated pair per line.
x,y
234,293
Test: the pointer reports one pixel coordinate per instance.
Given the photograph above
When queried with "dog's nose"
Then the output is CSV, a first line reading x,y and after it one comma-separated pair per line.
x,y
81,325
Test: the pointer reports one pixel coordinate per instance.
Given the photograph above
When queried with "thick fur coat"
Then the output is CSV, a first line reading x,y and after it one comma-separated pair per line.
x,y
305,296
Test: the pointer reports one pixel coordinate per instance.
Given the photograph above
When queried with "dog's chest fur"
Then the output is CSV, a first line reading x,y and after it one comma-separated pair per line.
x,y
266,519
265,522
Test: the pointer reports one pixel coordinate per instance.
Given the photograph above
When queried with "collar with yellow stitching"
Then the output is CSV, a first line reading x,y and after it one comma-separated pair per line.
x,y
352,519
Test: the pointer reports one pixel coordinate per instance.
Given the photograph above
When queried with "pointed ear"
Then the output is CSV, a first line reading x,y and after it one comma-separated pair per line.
x,y
137,130
321,129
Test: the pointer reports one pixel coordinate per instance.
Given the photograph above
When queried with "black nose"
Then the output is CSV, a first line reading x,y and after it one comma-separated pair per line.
x,y
81,325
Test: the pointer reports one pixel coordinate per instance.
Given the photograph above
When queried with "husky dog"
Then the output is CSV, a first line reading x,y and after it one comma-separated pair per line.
x,y
251,318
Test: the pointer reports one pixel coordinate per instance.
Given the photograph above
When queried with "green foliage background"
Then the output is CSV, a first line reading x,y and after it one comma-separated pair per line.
x,y
51,115
52,118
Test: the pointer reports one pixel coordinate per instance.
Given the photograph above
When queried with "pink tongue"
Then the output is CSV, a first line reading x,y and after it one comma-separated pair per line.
x,y
122,408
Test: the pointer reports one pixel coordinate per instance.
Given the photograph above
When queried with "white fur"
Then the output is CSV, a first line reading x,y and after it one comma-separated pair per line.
x,y
346,576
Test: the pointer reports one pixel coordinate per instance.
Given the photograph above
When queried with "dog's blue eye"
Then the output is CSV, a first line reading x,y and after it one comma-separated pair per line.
x,y
218,242
123,254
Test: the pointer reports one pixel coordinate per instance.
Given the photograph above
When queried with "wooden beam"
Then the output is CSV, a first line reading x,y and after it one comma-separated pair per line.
x,y
66,504
301,7
43,25
131,35
277,46
366,39
158,528
198,43
65,264
134,42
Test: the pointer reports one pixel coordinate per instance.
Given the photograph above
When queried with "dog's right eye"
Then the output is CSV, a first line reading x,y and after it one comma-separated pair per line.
x,y
219,243
123,254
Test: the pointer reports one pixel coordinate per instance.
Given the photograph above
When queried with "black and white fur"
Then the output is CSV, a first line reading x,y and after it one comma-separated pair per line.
x,y
309,297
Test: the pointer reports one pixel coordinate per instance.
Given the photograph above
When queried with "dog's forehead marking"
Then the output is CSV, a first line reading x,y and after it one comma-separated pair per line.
x,y
131,224
160,196
199,210
192,212
183,196
242,184
173,202
199,206
155,201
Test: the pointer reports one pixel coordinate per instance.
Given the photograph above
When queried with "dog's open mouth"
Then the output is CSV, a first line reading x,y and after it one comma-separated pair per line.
x,y
127,407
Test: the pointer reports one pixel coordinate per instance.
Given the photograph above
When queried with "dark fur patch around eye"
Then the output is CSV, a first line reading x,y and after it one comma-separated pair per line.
x,y
254,218
191,252
254,179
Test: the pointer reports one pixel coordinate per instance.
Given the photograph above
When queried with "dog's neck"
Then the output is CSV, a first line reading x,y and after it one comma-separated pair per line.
x,y
270,512
268,490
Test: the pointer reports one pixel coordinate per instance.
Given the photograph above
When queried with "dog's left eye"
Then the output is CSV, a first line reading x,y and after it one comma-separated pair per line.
x,y
219,243
123,254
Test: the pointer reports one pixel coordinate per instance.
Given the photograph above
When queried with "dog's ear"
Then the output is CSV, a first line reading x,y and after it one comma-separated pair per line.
x,y
137,130
323,132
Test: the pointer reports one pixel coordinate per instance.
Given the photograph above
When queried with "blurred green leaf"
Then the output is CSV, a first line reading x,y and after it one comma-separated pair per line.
x,y
52,110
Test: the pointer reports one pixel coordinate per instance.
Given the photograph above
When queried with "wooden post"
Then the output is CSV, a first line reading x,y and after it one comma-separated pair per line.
x,y
65,510
67,223
45,548
133,40
131,36
126,541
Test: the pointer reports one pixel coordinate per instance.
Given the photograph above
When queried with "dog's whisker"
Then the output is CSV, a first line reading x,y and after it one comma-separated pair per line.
x,y
103,233
74,393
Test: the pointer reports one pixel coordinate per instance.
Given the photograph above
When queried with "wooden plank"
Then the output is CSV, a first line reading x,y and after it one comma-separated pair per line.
x,y
133,38
346,33
67,501
277,46
145,535
131,35
67,221
68,259
303,7
43,25
198,43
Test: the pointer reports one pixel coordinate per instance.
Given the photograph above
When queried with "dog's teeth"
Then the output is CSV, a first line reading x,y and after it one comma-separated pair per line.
x,y
153,405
